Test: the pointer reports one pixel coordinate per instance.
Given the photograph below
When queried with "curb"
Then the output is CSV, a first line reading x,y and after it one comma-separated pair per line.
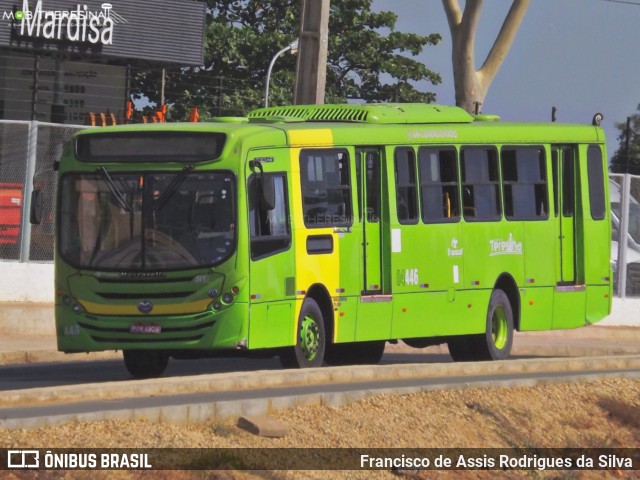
x,y
53,356
220,410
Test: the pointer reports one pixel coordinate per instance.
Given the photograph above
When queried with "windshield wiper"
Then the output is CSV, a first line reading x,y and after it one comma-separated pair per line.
x,y
122,200
173,186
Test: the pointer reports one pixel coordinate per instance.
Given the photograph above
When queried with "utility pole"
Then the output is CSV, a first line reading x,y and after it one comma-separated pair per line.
x,y
311,70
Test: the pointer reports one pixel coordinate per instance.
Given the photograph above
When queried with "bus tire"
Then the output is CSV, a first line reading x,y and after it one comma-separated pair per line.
x,y
497,341
145,363
308,352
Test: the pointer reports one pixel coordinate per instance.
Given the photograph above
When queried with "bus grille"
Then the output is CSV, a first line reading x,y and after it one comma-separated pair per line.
x,y
139,295
105,334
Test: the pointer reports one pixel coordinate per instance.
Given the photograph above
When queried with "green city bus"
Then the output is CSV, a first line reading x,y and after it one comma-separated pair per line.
x,y
319,233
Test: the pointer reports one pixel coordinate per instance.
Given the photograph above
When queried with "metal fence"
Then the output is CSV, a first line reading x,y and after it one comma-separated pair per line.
x,y
625,234
27,153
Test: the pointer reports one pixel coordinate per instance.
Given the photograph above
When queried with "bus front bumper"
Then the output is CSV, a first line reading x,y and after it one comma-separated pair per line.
x,y
208,330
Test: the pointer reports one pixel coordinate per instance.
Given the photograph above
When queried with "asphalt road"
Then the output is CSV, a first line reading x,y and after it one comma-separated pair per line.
x,y
26,376
38,375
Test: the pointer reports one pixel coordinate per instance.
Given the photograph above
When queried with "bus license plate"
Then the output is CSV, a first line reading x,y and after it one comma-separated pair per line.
x,y
145,328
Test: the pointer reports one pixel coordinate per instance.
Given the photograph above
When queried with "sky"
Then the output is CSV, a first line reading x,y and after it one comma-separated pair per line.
x,y
581,56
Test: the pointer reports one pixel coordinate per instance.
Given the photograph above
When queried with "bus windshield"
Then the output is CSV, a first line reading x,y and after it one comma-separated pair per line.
x,y
147,221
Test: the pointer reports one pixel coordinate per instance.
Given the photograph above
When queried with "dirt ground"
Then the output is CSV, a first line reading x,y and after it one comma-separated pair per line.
x,y
602,413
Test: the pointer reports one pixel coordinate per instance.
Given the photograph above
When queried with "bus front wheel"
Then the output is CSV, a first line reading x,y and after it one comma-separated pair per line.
x,y
145,363
310,344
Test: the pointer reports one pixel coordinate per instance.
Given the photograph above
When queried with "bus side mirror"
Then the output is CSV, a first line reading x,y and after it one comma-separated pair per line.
x,y
37,200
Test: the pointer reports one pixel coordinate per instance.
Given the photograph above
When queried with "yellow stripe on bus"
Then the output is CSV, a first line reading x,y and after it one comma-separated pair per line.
x,y
310,270
319,137
175,309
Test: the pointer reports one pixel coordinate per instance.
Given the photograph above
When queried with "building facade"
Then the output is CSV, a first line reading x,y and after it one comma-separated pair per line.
x,y
60,59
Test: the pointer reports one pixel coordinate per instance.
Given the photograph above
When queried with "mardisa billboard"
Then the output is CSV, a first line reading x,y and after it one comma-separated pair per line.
x,y
79,25
166,31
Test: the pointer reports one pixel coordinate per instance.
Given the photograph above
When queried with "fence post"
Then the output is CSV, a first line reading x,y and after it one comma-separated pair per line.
x,y
25,243
625,199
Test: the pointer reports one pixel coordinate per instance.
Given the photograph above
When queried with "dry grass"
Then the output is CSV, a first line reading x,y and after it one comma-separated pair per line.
x,y
628,416
580,415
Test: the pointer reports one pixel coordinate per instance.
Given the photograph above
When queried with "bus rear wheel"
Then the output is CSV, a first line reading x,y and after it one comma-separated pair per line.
x,y
308,352
496,342
145,363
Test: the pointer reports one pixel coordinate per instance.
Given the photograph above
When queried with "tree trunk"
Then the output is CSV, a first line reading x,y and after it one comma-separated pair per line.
x,y
470,90
472,85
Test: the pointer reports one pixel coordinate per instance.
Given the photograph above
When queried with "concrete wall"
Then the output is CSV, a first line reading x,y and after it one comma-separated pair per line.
x,y
626,311
26,282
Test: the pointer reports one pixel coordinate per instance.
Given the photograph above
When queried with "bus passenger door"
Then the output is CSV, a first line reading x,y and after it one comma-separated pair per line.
x,y
272,277
369,191
564,183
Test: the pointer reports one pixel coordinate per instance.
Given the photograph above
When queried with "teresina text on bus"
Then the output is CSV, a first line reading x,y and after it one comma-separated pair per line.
x,y
79,25
505,247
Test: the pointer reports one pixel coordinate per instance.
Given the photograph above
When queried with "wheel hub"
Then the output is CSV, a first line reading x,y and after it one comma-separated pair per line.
x,y
499,328
309,338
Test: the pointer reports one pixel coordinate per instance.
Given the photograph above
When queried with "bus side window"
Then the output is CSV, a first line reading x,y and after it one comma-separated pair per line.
x,y
326,188
480,183
439,197
596,182
268,214
524,182
406,195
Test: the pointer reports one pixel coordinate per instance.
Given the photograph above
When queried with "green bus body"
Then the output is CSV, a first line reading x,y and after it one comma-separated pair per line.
x,y
398,221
